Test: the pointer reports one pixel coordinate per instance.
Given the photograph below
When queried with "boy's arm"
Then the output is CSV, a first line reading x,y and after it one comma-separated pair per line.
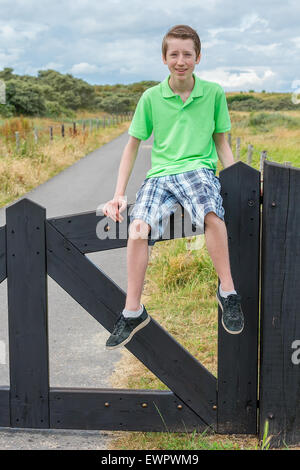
x,y
223,149
116,205
126,165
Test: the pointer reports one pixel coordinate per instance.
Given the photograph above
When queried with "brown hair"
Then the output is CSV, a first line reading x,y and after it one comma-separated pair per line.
x,y
181,31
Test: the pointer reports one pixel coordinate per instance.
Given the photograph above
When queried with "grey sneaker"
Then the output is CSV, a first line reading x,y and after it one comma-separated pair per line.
x,y
232,316
125,328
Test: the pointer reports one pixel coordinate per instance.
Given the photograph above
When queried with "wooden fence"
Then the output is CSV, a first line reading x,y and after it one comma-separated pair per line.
x,y
258,371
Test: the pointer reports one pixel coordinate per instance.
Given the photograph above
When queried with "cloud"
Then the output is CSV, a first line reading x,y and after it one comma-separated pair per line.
x,y
296,41
17,31
84,68
120,42
243,78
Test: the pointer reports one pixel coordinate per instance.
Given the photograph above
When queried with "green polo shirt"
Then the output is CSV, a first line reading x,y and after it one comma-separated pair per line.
x,y
182,131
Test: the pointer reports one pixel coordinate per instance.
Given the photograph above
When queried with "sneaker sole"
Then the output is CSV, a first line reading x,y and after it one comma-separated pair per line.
x,y
136,329
226,329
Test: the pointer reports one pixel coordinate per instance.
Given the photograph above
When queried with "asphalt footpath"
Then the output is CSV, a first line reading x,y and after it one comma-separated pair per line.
x,y
77,355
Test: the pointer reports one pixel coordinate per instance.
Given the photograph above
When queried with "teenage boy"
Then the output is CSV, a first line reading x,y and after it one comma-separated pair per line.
x,y
189,117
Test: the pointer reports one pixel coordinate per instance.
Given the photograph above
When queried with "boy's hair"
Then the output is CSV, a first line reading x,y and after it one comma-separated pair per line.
x,y
181,31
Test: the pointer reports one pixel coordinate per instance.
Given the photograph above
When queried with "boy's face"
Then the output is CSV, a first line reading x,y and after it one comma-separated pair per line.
x,y
181,58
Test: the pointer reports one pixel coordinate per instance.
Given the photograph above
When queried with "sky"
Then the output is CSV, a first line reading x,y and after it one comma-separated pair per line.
x,y
245,45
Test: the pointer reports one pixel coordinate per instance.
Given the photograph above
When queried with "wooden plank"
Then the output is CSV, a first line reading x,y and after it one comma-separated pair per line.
x,y
237,354
130,410
153,346
90,232
4,407
2,253
27,315
280,299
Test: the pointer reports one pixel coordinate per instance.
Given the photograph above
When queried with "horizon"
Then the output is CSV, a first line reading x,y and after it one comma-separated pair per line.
x,y
147,80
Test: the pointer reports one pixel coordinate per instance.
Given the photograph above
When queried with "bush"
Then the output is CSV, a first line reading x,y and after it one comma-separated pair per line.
x,y
55,110
267,121
7,110
25,97
232,98
114,104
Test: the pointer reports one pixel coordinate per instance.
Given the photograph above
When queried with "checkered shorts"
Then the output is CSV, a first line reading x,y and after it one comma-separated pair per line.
x,y
198,191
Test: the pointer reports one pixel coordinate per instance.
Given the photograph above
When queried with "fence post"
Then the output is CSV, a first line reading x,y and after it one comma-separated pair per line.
x,y
249,154
27,315
229,139
280,299
237,354
62,130
263,157
51,133
238,147
17,140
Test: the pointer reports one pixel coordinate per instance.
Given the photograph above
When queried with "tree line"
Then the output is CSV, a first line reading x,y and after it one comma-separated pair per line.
x,y
56,95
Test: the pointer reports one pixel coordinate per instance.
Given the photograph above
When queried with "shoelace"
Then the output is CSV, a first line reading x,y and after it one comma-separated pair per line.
x,y
232,301
121,321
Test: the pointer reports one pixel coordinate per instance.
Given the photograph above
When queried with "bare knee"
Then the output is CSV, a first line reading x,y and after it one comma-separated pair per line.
x,y
211,219
139,229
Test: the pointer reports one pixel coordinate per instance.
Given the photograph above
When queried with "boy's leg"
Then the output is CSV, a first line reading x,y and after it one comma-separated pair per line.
x,y
137,262
217,246
134,316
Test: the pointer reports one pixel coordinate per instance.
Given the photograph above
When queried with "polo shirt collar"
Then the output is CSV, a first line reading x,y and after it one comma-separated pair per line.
x,y
167,92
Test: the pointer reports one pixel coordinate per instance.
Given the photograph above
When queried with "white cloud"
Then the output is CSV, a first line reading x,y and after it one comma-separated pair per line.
x,y
17,31
250,23
243,78
10,57
296,41
253,22
84,67
52,66
262,49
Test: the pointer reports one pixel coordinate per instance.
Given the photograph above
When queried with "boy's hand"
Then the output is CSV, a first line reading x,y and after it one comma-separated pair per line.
x,y
113,208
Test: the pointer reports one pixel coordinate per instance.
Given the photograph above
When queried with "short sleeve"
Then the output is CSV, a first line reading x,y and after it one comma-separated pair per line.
x,y
142,125
222,118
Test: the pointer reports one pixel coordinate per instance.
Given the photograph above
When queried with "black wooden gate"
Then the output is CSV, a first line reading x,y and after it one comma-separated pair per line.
x,y
32,247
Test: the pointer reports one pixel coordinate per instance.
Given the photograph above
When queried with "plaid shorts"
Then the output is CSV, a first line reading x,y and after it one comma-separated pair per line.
x,y
198,191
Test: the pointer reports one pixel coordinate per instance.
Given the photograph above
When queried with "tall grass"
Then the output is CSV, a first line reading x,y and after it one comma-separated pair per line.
x,y
33,163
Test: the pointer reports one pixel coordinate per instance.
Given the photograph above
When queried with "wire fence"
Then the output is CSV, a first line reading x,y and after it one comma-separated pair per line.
x,y
70,128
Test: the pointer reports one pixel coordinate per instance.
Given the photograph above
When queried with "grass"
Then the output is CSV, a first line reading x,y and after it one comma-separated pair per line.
x,y
278,134
32,164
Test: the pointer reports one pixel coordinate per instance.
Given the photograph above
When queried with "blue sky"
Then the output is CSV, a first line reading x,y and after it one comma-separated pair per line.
x,y
244,45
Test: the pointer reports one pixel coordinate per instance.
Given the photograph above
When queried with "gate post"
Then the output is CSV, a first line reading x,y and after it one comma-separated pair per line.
x,y
280,299
27,315
237,354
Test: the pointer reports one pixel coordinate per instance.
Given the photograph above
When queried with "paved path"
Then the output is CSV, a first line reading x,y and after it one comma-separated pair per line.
x,y
76,340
